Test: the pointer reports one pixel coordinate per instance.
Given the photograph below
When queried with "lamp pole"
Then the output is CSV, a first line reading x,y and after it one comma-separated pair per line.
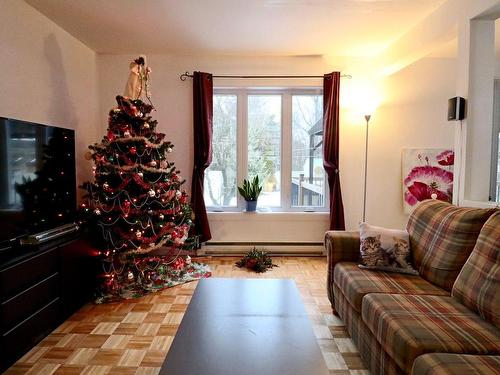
x,y
367,118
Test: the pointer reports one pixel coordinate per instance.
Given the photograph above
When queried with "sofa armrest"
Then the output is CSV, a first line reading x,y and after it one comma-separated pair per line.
x,y
341,246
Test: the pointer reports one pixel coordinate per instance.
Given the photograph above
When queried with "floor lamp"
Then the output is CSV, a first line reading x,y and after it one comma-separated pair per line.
x,y
367,118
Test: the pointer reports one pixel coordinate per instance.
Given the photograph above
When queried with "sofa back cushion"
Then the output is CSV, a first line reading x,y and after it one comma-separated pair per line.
x,y
442,237
478,283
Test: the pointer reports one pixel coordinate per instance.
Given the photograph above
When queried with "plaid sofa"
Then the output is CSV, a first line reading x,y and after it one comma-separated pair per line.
x,y
451,309
450,364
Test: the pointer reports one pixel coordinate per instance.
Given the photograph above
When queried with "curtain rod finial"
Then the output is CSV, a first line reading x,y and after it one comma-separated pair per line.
x,y
185,76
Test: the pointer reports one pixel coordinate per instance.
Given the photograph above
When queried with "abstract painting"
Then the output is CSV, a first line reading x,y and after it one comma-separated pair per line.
x,y
427,174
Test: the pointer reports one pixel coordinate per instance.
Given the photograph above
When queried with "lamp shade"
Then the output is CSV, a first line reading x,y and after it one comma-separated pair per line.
x,y
368,101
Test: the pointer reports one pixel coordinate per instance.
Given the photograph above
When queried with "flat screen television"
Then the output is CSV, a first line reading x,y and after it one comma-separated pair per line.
x,y
37,179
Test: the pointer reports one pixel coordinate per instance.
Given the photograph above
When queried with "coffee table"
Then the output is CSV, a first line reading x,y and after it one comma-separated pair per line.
x,y
245,326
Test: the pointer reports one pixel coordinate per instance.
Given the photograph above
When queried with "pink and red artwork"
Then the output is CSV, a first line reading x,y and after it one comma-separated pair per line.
x,y
427,174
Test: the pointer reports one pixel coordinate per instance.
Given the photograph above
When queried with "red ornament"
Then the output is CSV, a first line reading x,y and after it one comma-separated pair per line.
x,y
134,110
111,135
170,194
179,264
184,198
132,150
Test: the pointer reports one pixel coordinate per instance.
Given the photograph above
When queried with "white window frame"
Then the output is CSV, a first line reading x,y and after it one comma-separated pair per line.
x,y
286,146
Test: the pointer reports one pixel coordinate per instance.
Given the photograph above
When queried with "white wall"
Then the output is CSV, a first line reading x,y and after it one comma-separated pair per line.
x,y
471,191
413,114
480,109
452,19
47,76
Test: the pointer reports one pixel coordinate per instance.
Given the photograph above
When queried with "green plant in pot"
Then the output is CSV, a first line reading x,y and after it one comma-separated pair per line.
x,y
250,191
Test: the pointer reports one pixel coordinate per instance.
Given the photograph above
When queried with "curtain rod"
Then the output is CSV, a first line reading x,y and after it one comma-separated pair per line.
x,y
187,75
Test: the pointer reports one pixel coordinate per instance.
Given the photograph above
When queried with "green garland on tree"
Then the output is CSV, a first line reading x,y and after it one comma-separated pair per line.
x,y
140,215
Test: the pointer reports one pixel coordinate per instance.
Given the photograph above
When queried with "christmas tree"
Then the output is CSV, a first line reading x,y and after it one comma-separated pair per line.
x,y
136,201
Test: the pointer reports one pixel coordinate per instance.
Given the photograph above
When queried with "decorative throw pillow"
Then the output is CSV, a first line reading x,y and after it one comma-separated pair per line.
x,y
385,249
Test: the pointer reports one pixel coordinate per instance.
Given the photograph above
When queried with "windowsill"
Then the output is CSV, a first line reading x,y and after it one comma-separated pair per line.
x,y
268,216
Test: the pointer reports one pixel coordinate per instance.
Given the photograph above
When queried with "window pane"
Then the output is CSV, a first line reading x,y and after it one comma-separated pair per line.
x,y
264,146
308,175
220,177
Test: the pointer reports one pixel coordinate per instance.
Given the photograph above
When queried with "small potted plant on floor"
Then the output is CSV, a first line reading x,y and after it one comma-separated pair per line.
x,y
250,191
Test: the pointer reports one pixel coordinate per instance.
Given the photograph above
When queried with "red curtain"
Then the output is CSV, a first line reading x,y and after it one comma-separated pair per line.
x,y
203,116
331,87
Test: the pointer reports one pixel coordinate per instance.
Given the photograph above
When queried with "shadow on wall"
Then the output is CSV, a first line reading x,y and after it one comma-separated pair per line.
x,y
62,111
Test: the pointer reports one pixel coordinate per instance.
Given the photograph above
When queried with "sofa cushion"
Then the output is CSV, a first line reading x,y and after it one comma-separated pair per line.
x,y
356,282
478,284
371,352
408,326
442,237
455,364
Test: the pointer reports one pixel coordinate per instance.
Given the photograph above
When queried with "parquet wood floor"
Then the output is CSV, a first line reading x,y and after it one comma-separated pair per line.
x,y
133,337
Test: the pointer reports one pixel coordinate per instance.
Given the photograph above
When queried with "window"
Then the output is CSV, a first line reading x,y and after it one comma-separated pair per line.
x,y
308,175
220,177
264,146
275,134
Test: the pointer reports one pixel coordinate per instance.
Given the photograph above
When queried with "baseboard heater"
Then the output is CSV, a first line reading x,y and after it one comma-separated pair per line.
x,y
274,248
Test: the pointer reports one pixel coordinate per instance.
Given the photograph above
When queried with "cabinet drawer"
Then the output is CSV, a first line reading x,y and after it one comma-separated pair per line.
x,y
22,305
25,335
26,273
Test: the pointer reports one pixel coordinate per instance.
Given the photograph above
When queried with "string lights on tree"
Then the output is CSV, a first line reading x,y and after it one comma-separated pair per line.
x,y
136,200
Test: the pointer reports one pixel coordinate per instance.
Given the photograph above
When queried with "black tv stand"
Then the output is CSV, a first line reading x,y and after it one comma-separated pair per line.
x,y
40,287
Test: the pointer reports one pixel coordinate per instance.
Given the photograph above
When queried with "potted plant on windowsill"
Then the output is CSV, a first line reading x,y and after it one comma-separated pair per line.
x,y
250,191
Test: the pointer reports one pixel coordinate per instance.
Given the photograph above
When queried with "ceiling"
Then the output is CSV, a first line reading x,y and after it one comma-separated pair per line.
x,y
237,27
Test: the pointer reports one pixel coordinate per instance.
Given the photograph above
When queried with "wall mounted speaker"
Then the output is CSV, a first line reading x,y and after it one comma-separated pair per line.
x,y
456,108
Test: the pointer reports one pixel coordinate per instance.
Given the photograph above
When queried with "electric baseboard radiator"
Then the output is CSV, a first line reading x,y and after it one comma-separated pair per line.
x,y
274,248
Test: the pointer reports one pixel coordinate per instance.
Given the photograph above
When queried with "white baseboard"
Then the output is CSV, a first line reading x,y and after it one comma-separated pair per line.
x,y
282,248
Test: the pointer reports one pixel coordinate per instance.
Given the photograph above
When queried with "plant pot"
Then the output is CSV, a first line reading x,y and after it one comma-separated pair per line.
x,y
251,206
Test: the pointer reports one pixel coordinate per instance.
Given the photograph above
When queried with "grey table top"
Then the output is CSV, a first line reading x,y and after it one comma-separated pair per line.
x,y
245,326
